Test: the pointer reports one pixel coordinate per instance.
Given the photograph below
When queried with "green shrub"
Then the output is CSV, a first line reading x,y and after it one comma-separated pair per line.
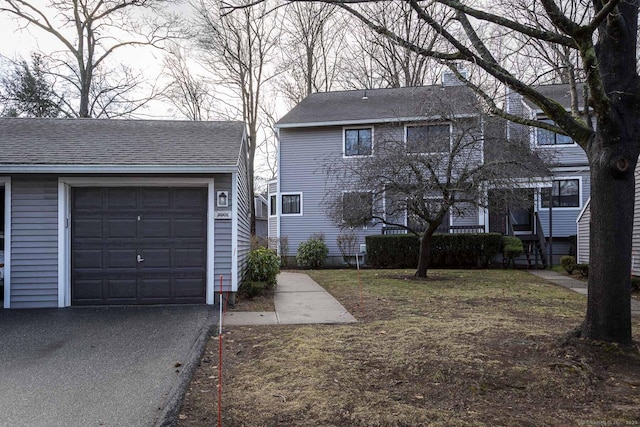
x,y
583,269
447,250
312,254
263,265
511,248
249,289
568,262
635,284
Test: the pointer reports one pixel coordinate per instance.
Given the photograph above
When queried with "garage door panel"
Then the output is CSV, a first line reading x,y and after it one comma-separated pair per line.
x,y
156,258
165,226
159,288
87,199
190,198
189,258
88,228
119,198
155,228
121,228
87,259
189,287
190,227
121,258
118,289
89,290
153,198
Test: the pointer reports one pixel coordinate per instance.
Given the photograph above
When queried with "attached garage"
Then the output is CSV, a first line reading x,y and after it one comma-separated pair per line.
x,y
138,245
125,229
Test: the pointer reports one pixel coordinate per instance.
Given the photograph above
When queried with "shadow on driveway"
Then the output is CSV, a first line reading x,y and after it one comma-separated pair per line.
x,y
106,366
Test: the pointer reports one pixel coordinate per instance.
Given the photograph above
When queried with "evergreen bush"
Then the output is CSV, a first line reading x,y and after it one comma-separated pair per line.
x,y
312,254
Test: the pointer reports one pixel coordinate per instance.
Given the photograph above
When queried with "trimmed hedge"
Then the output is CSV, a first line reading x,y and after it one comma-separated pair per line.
x,y
447,250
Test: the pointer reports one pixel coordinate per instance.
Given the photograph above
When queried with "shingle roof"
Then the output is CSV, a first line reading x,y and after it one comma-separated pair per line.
x,y
36,141
380,105
559,93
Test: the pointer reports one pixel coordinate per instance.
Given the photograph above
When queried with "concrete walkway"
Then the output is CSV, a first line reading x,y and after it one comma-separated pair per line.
x,y
575,285
298,300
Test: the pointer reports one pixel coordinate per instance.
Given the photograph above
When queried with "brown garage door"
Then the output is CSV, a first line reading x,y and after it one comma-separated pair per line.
x,y
142,245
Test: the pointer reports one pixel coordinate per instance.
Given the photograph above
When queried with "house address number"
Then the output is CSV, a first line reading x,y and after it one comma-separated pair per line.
x,y
223,215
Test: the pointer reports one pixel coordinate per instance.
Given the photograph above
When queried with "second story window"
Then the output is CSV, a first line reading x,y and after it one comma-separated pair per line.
x,y
546,137
428,138
358,142
273,208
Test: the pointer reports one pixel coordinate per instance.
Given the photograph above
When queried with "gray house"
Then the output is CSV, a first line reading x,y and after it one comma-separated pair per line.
x,y
557,207
324,124
102,212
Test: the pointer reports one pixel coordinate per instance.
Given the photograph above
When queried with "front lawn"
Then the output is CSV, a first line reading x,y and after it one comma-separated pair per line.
x,y
463,348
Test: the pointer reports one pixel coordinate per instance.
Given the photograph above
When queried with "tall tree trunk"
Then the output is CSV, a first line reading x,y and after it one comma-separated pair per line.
x,y
612,204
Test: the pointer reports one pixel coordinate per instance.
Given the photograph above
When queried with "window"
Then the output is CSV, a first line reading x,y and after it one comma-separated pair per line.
x,y
546,137
428,138
291,204
565,193
357,208
272,205
358,142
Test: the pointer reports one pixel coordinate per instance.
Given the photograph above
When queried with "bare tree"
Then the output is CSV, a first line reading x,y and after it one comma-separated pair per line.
x,y
377,62
90,31
240,45
191,94
313,41
439,167
604,37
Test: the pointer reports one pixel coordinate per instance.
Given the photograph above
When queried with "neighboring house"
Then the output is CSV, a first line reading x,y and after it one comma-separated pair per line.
x,y
556,207
340,125
261,206
325,125
122,211
584,225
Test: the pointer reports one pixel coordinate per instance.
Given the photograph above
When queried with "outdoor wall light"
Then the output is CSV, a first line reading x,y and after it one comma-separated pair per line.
x,y
223,199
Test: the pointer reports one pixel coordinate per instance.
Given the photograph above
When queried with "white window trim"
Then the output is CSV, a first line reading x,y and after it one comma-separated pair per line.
x,y
429,124
64,225
549,146
290,193
6,183
344,141
562,208
272,195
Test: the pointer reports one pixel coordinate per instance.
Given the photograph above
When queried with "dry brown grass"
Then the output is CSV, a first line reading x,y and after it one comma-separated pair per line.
x,y
464,348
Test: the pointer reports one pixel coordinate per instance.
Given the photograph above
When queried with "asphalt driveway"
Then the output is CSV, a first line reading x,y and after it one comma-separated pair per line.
x,y
111,366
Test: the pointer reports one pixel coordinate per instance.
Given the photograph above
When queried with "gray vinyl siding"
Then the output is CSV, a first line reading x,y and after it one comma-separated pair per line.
x,y
584,224
302,155
34,243
564,219
223,246
303,152
564,155
244,216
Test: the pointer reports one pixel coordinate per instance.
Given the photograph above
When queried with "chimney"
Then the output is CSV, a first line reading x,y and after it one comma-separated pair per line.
x,y
450,79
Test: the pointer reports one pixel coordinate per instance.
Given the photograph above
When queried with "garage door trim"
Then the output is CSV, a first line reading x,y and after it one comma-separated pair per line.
x,y
64,223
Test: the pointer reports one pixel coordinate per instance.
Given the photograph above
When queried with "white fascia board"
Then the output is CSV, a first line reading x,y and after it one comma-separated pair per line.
x,y
584,209
541,182
6,182
112,169
372,121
